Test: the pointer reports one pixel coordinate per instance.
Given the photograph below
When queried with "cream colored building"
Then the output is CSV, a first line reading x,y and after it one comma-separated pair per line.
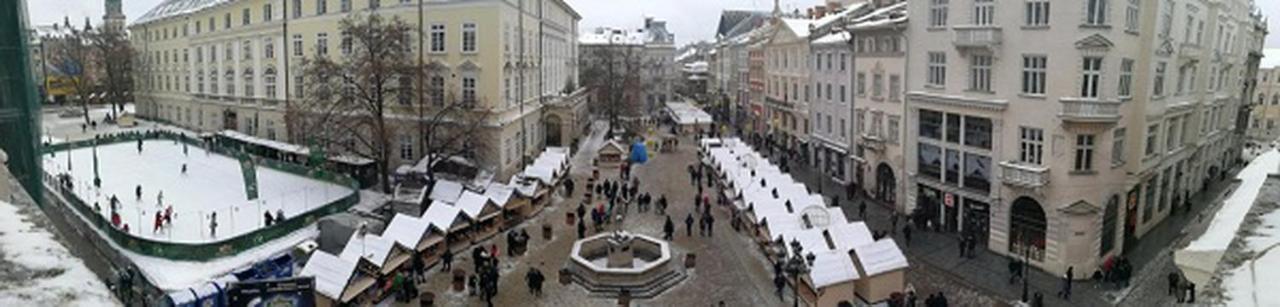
x,y
1264,122
879,77
1065,133
211,65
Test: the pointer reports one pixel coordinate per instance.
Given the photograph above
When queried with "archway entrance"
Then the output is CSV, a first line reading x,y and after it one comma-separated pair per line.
x,y
552,128
885,184
1027,227
229,120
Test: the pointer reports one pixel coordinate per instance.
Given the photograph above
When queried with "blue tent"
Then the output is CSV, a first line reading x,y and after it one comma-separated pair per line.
x,y
639,154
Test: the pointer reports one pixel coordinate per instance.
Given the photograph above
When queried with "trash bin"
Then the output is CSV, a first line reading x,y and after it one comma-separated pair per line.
x,y
459,280
427,299
565,276
690,260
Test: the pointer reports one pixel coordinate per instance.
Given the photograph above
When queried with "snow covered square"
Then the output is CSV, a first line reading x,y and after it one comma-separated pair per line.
x,y
212,185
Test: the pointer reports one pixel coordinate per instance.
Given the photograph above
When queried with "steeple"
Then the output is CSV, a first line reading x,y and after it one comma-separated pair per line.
x,y
114,19
777,9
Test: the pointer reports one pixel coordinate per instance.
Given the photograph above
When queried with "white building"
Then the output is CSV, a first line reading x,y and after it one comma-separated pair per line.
x,y
1064,133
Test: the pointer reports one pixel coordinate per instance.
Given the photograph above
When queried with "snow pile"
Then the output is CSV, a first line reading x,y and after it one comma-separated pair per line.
x,y
212,184
35,270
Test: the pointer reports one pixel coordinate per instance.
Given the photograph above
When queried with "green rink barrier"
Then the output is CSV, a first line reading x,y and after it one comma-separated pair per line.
x,y
209,250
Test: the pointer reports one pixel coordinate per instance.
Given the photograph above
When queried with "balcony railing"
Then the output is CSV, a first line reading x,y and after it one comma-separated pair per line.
x,y
985,36
1089,110
1024,175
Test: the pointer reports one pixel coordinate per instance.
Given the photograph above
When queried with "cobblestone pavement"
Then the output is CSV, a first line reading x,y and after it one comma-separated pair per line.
x,y
987,272
729,266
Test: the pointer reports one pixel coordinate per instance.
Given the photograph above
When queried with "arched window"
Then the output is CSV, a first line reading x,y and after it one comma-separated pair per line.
x,y
1109,216
1275,99
230,77
1027,227
248,82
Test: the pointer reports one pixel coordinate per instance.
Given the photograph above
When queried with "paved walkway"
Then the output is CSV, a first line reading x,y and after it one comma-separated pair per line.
x,y
988,271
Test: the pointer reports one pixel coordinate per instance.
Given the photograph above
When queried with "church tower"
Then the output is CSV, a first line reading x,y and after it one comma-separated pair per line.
x,y
114,19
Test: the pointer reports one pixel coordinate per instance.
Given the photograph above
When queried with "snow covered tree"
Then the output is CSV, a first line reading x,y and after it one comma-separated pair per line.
x,y
612,73
114,55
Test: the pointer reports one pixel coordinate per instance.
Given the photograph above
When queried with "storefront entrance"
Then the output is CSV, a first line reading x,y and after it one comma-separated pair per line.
x,y
1027,228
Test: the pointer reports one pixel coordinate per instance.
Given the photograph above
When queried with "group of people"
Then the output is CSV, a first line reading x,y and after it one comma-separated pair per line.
x,y
269,220
484,281
1182,289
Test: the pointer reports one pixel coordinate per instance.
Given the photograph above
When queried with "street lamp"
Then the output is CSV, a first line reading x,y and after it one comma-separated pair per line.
x,y
796,265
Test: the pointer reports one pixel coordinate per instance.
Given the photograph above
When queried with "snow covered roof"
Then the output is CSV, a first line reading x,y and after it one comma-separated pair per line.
x,y
880,257
171,8
331,273
833,17
1236,206
472,203
687,114
406,230
544,173
613,36
373,248
446,191
441,215
686,55
832,267
798,26
282,146
499,193
833,38
893,14
527,188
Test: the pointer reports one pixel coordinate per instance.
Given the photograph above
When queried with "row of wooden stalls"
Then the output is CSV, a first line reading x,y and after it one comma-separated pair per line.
x,y
459,216
849,266
363,170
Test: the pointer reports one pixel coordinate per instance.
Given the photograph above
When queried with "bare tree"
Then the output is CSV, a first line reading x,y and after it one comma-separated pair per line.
x,y
612,72
73,58
355,105
114,56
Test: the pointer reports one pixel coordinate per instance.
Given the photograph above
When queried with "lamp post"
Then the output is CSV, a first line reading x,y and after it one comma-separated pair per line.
x,y
796,265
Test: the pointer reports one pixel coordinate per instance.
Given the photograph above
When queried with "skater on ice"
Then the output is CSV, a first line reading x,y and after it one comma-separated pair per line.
x,y
267,218
213,224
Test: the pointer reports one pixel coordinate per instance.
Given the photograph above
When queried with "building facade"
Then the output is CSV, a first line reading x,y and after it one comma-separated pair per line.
x,y
829,73
1264,120
237,65
788,92
651,50
1069,168
878,91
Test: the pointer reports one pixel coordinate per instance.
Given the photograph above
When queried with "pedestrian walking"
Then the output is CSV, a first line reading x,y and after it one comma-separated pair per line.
x,y
446,260
973,244
1065,293
862,210
779,283
893,221
1038,300
159,221
688,225
667,229
582,229
1174,281
213,225
711,222
1015,269
964,241
906,234
1191,292
582,209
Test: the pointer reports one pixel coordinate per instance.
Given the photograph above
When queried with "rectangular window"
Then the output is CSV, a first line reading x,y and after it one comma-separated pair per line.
x,y
268,49
437,90
1031,141
244,17
893,128
1090,77
437,37
375,4
895,89
952,126
322,7
877,85
345,44
344,5
1117,147
930,124
938,13
1171,136
862,84
930,160
469,91
1037,12
977,132
937,74
1034,68
213,25
266,12
1084,152
1131,17
468,37
322,44
297,9
952,161
297,87
1095,12
246,48
198,27
406,147
1126,78
843,93
984,12
859,122
297,45
980,73
1158,87
844,59
1153,139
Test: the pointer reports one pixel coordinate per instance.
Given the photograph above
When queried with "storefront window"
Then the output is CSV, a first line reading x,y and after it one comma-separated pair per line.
x,y
953,167
931,124
930,160
977,171
953,128
977,132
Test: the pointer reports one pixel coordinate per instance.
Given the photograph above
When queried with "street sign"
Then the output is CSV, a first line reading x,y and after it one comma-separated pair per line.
x,y
950,200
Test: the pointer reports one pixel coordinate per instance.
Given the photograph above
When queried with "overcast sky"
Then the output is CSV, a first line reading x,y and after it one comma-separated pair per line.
x,y
691,20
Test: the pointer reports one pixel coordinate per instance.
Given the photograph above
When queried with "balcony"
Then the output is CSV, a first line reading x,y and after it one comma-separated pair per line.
x,y
986,36
873,142
1083,110
1026,176
1190,51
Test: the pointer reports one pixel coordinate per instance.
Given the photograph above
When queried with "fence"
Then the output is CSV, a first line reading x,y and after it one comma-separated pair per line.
x,y
208,250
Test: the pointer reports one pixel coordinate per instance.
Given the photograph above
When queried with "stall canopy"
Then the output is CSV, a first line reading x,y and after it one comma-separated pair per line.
x,y
331,273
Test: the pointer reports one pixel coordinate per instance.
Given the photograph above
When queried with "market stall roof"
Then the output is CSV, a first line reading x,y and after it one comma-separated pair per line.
x,y
442,215
499,193
472,203
373,248
832,267
446,191
331,273
880,257
685,113
406,230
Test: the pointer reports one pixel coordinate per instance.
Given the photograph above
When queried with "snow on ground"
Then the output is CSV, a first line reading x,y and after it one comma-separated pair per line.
x,y
213,184
173,275
1242,285
1227,220
35,270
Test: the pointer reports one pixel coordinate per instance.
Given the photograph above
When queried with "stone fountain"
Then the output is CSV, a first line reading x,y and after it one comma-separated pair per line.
x,y
610,264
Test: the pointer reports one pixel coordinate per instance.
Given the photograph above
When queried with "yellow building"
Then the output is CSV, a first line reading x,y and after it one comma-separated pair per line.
x,y
1264,123
211,65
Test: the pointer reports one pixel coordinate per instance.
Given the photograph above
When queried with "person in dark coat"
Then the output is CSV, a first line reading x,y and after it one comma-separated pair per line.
x,y
582,229
711,221
446,259
688,225
1015,269
1065,293
1174,281
667,229
582,210
1037,300
267,218
906,233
